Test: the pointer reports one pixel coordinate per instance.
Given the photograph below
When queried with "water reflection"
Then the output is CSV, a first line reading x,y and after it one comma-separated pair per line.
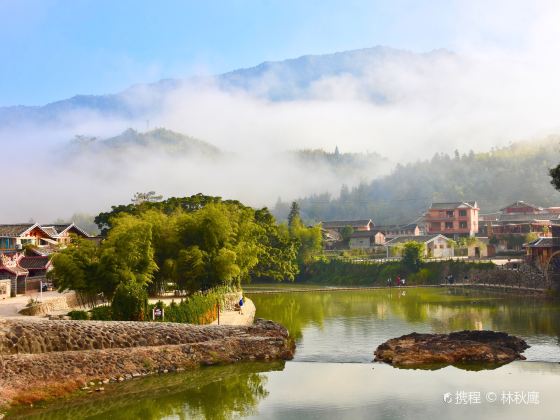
x,y
322,322
346,327
219,392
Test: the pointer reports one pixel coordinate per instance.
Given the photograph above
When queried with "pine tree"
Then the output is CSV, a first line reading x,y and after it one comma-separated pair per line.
x,y
294,216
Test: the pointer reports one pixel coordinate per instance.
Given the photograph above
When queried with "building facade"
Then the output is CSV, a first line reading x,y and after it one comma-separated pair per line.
x,y
452,219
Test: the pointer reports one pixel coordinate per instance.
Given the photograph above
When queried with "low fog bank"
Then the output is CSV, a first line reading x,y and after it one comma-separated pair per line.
x,y
402,105
55,179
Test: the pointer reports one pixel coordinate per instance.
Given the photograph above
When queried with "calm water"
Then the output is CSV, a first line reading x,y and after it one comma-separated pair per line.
x,y
332,377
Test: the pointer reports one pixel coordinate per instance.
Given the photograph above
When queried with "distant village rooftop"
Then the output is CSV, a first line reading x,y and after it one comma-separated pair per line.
x,y
356,224
455,205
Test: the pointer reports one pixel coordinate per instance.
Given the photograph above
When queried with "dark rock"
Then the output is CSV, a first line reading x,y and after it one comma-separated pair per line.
x,y
462,348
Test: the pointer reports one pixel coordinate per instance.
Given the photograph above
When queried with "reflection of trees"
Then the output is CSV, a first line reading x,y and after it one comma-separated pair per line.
x,y
217,392
297,310
444,310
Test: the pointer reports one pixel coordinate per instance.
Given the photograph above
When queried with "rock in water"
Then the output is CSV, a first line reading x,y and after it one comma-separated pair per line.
x,y
457,348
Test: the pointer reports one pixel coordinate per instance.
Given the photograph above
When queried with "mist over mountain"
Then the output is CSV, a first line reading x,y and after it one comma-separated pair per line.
x,y
494,179
379,105
159,140
306,77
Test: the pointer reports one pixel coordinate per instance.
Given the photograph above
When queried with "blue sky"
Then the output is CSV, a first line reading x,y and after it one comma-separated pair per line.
x,y
53,49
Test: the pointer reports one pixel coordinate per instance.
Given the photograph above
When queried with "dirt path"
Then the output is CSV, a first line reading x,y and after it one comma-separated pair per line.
x,y
235,318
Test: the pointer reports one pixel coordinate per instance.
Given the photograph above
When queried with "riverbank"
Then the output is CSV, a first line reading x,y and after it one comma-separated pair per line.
x,y
46,359
233,317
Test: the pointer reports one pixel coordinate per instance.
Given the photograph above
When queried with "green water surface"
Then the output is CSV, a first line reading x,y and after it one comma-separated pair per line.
x,y
332,376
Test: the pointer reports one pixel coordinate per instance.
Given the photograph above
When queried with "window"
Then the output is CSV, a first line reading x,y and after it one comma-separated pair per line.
x,y
462,213
450,213
448,225
463,225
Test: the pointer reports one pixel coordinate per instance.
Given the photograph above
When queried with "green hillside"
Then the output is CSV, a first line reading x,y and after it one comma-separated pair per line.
x,y
159,139
494,179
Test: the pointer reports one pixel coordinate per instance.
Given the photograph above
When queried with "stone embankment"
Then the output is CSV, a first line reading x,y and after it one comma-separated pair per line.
x,y
45,355
64,302
462,347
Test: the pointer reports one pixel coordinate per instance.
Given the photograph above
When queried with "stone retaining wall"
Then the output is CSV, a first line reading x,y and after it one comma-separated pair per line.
x,y
66,302
45,355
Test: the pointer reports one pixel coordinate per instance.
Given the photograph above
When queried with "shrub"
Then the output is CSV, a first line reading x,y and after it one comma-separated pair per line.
x,y
101,313
199,308
130,302
78,315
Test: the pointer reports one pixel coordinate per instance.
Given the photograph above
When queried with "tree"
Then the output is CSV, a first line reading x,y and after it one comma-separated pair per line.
x,y
294,214
77,267
555,174
413,255
346,232
148,197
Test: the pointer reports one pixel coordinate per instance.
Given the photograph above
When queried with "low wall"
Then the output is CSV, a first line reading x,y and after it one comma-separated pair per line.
x,y
39,356
524,277
66,302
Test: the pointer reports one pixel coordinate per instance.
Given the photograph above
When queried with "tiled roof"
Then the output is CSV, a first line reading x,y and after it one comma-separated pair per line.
x,y
455,205
366,233
50,230
15,230
44,250
386,228
545,242
342,223
527,217
36,263
409,238
61,228
521,204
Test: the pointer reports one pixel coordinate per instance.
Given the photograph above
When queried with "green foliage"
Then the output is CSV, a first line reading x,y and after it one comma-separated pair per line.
x,y
77,267
199,308
520,170
346,232
310,241
352,273
78,315
130,302
555,175
530,237
294,216
413,255
101,313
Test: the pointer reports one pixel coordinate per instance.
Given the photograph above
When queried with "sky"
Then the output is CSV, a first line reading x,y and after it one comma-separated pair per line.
x,y
54,49
495,83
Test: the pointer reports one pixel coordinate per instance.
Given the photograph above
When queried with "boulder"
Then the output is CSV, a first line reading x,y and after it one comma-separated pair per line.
x,y
474,349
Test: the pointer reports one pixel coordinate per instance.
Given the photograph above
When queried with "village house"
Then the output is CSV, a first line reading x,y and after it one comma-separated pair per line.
x,y
509,227
13,238
436,246
539,251
22,273
367,240
12,271
454,219
392,231
356,225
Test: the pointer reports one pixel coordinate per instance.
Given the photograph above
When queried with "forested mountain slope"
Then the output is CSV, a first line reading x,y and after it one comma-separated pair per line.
x,y
494,179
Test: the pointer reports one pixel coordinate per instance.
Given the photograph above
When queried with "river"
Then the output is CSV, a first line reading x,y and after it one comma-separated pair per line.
x,y
332,375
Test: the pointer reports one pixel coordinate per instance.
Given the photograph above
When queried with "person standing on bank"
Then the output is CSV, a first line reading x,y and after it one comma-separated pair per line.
x,y
241,306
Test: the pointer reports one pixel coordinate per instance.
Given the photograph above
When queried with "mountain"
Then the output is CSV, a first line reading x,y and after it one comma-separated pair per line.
x,y
494,179
299,78
159,139
351,168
